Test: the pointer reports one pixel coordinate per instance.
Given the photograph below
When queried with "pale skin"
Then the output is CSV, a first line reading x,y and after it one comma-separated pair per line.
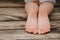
x,y
38,21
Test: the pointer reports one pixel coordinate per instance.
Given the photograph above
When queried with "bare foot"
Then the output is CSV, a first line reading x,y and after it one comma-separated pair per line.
x,y
31,24
43,24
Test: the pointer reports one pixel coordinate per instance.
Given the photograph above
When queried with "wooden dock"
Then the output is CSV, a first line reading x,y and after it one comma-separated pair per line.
x,y
13,18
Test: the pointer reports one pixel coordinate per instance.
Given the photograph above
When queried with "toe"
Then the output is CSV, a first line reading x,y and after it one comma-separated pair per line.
x,y
48,30
35,30
39,30
28,30
43,31
31,30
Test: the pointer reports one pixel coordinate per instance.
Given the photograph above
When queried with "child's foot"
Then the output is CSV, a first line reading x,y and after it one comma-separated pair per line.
x,y
43,24
31,24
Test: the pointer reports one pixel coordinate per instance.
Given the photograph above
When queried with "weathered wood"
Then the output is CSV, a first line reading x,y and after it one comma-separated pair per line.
x,y
10,29
19,14
12,4
22,35
21,25
12,25
12,14
55,17
58,2
7,17
55,24
16,3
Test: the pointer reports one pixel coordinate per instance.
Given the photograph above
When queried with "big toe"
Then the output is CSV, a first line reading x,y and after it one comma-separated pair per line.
x,y
29,30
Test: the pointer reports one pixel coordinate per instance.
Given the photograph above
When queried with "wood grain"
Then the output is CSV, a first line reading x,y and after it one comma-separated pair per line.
x,y
13,19
21,34
12,25
21,25
17,3
11,4
10,14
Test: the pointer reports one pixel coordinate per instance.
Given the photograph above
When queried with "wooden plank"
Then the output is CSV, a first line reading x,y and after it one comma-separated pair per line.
x,y
56,14
12,25
21,25
57,2
22,35
55,24
16,3
11,4
55,17
11,14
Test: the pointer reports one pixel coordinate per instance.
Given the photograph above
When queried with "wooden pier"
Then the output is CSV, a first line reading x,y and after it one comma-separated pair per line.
x,y
13,18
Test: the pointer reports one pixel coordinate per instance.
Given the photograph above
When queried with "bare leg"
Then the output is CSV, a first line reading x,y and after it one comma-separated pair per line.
x,y
31,24
43,21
